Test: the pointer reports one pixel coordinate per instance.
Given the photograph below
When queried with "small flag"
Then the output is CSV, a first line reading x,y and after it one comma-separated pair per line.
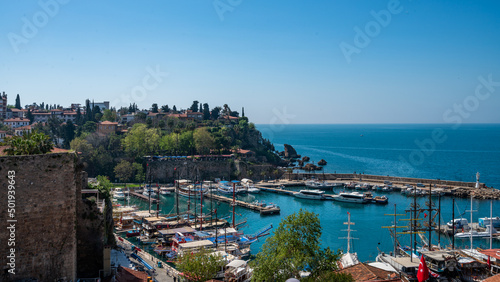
x,y
425,215
423,271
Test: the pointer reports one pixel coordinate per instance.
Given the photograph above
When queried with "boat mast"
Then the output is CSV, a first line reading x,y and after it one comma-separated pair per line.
x,y
177,194
158,202
491,224
453,223
471,210
349,238
234,203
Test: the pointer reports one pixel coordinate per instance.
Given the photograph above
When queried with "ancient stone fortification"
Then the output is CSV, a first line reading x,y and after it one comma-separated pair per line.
x,y
47,188
208,169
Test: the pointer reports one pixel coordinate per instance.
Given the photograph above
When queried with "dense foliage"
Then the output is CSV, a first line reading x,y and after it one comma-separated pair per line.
x,y
201,266
28,144
294,247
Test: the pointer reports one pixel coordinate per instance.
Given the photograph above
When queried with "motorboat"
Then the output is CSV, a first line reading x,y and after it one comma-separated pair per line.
x,y
164,191
118,194
148,192
226,187
352,197
485,221
315,184
459,223
381,200
252,189
310,194
477,234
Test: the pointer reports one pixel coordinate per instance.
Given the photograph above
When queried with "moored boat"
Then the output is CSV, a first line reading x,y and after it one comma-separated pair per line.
x,y
353,197
310,194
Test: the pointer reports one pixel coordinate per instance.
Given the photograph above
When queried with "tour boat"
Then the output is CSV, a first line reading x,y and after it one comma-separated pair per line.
x,y
485,221
353,197
310,194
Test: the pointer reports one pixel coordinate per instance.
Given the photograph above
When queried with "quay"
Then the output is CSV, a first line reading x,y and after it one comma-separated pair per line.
x,y
140,196
263,210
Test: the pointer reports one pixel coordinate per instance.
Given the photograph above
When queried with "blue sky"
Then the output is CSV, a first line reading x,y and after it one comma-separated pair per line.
x,y
281,60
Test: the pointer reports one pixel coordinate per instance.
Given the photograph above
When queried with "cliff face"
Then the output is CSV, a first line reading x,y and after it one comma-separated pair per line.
x,y
89,231
290,152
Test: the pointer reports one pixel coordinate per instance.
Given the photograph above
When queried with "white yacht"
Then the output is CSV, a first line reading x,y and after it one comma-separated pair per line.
x,y
148,192
310,194
315,184
476,234
118,194
353,197
164,191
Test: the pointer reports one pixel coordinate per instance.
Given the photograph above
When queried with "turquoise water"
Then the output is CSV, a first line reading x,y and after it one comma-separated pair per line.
x,y
382,150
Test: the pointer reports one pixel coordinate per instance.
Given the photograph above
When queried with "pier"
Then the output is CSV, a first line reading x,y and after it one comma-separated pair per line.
x,y
140,196
263,210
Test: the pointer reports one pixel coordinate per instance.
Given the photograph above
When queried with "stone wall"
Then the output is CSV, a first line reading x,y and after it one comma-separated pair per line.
x,y
227,168
381,178
47,188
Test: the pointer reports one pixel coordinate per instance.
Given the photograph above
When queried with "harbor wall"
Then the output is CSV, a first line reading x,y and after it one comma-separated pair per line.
x,y
166,171
43,240
381,178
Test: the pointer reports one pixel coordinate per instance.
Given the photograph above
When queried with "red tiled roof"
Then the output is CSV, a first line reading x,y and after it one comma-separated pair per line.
x,y
494,253
16,120
108,123
26,127
125,274
18,110
364,272
495,278
41,114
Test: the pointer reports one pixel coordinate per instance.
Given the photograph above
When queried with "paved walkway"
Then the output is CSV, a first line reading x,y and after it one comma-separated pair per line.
x,y
165,273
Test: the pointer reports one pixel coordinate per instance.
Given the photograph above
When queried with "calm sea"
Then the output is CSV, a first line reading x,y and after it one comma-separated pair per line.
x,y
426,151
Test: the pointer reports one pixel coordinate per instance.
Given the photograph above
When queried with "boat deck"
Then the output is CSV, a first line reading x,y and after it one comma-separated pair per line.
x,y
146,198
261,209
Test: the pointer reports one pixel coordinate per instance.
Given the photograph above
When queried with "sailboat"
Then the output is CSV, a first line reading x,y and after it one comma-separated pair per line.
x,y
348,258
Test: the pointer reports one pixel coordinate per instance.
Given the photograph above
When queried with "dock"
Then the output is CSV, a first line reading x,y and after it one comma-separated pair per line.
x,y
261,209
140,196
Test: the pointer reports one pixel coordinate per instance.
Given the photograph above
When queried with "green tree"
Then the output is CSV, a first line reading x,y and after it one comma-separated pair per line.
x,y
89,127
194,106
139,172
68,133
82,146
154,108
29,115
215,113
124,171
201,266
203,140
294,247
79,117
18,102
141,141
109,115
29,144
165,109
174,109
206,112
